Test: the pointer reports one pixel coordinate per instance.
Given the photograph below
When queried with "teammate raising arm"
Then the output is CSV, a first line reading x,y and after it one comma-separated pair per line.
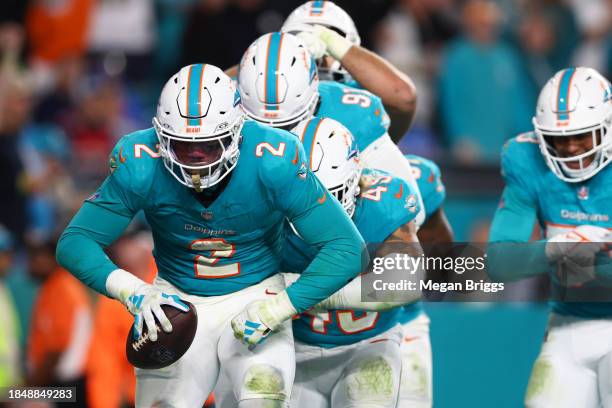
x,y
332,38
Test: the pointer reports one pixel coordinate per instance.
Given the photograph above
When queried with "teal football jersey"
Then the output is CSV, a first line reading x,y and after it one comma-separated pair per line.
x,y
236,241
560,206
387,204
360,111
428,178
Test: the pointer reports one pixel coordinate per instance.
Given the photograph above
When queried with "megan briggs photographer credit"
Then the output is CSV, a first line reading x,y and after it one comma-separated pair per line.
x,y
442,287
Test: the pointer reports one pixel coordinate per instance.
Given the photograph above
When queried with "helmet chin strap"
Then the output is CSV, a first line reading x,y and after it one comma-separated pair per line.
x,y
195,179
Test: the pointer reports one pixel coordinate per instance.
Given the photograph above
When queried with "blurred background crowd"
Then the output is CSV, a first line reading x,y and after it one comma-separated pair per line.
x,y
76,75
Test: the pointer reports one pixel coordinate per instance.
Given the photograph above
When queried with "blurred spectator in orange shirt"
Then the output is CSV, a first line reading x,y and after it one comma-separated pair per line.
x,y
61,324
110,377
55,29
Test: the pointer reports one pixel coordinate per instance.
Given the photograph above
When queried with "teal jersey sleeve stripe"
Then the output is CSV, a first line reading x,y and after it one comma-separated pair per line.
x,y
194,94
564,94
274,49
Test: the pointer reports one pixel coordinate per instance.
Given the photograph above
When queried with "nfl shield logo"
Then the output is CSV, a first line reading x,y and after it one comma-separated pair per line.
x,y
583,193
207,215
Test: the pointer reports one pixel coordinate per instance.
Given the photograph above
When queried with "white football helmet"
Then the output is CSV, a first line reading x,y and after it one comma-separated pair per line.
x,y
334,158
573,102
329,15
198,124
278,81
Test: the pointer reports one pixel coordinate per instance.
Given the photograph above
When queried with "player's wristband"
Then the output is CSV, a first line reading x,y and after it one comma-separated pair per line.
x,y
337,45
121,284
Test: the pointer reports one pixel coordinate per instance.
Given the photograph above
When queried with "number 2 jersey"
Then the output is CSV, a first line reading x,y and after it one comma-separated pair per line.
x,y
233,243
533,191
383,207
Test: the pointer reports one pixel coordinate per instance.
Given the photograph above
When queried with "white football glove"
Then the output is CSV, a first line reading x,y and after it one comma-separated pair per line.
x,y
144,301
321,40
575,252
260,318
314,44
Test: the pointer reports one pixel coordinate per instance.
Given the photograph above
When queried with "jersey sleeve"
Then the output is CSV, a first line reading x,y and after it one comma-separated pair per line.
x,y
102,219
517,212
359,110
509,257
373,118
321,222
296,254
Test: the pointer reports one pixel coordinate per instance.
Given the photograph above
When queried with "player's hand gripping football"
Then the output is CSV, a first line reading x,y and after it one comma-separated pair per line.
x,y
260,318
575,252
144,301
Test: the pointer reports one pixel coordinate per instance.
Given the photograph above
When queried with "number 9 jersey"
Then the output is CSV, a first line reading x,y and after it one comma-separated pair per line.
x,y
360,111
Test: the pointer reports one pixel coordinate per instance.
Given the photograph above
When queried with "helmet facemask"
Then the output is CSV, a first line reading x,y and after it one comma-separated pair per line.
x,y
200,162
599,154
333,71
347,192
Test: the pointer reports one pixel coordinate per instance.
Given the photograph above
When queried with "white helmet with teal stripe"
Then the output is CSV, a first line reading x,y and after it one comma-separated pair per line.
x,y
277,80
333,158
575,102
327,14
198,123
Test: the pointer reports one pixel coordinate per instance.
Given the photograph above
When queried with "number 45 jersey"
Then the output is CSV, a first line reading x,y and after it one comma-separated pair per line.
x,y
233,243
385,205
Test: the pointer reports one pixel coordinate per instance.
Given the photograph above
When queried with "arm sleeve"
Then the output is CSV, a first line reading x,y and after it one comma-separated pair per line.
x,y
509,255
99,222
322,223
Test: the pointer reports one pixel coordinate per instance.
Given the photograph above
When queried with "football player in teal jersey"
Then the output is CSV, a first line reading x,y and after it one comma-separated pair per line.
x,y
558,176
279,86
216,191
342,353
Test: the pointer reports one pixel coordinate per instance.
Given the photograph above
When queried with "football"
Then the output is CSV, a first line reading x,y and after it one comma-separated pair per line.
x,y
169,347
